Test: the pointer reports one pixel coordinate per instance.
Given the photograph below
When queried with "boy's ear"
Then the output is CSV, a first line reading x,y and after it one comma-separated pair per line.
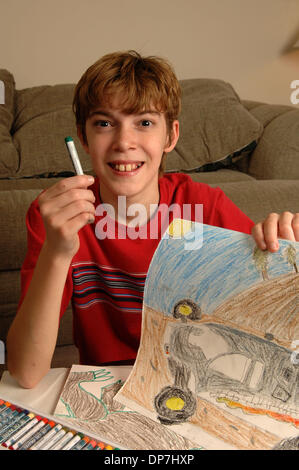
x,y
173,138
82,139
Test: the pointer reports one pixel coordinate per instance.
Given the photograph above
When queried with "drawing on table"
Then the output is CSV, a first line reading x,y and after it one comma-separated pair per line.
x,y
87,401
214,360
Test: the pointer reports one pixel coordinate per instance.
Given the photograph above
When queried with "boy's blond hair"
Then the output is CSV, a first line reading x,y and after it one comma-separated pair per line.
x,y
142,82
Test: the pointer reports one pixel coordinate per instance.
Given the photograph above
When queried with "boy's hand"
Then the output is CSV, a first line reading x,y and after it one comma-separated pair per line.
x,y
66,207
284,225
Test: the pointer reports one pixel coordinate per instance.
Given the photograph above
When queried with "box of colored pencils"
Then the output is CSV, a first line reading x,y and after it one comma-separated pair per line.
x,y
26,429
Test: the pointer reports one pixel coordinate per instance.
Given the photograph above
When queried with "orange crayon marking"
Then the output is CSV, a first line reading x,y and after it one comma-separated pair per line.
x,y
259,411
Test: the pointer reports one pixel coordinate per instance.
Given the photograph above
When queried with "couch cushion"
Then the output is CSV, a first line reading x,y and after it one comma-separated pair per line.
x,y
265,113
214,126
10,285
9,159
277,154
13,208
44,117
220,176
27,183
10,288
258,198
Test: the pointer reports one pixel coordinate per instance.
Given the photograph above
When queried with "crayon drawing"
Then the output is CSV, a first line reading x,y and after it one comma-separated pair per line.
x,y
217,360
87,401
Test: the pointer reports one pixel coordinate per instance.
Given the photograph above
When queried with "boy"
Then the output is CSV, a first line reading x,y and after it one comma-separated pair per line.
x,y
126,111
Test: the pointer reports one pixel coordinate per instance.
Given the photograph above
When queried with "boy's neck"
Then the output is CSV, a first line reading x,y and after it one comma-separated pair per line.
x,y
122,204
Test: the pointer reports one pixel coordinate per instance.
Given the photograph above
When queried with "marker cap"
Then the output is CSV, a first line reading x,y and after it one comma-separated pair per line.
x,y
68,139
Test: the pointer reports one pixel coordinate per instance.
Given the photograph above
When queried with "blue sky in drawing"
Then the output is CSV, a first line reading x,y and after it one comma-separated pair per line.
x,y
221,268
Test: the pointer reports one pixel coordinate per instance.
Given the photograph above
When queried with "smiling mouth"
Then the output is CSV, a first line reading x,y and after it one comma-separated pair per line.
x,y
125,167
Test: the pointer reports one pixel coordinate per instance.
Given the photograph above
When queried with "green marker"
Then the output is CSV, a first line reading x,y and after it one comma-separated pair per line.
x,y
74,155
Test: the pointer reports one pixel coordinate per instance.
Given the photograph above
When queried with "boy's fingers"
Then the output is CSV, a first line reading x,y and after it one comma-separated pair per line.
x,y
295,225
59,218
265,233
72,226
270,229
63,203
63,200
286,226
258,235
78,181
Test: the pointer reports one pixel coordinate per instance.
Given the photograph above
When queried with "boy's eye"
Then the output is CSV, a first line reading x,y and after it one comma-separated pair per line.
x,y
145,123
102,123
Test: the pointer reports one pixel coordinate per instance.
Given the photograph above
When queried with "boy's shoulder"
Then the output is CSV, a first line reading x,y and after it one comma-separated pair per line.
x,y
183,183
176,180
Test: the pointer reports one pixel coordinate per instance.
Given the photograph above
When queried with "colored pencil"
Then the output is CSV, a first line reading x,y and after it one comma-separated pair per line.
x,y
9,418
90,446
22,430
4,405
73,442
7,412
59,445
11,422
36,437
46,437
30,433
54,439
17,425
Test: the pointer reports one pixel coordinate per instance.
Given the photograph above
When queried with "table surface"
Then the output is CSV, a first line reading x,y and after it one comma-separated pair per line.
x,y
43,397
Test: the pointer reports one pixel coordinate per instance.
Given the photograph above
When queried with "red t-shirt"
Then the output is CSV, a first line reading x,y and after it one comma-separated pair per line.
x,y
106,278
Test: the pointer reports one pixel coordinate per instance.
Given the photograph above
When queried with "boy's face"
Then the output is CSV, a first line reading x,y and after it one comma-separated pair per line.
x,y
126,151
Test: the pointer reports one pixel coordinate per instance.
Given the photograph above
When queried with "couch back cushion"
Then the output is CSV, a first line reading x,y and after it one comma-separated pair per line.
x,y
214,127
277,154
13,207
9,158
44,117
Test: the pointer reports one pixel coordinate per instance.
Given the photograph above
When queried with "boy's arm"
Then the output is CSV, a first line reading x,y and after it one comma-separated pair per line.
x,y
267,232
32,336
65,208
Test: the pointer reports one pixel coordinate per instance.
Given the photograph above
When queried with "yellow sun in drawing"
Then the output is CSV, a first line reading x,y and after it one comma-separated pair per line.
x,y
179,227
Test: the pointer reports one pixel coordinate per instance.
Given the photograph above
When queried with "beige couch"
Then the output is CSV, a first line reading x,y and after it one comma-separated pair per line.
x,y
249,149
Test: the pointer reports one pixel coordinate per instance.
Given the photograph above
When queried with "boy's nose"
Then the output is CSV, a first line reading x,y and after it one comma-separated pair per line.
x,y
124,139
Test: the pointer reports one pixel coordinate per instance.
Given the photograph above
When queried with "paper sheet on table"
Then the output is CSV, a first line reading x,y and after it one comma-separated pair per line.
x,y
87,400
43,397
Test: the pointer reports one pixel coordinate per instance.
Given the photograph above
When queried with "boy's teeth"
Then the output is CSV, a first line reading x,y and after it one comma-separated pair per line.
x,y
128,167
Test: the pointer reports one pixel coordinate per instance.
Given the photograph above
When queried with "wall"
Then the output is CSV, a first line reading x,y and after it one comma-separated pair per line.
x,y
54,41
